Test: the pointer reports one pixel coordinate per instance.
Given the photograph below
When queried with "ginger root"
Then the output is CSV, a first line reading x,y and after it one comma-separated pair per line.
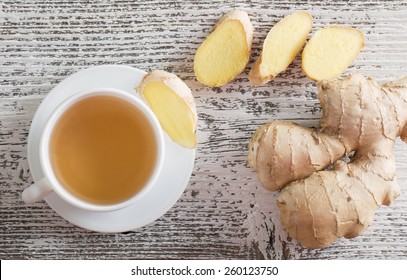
x,y
330,51
226,51
283,42
282,151
318,207
172,102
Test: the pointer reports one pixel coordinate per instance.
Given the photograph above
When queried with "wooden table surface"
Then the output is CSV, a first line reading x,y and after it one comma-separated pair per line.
x,y
224,213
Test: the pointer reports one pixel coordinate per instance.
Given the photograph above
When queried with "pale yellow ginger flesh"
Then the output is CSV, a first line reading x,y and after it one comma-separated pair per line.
x,y
226,51
330,51
172,103
282,44
318,207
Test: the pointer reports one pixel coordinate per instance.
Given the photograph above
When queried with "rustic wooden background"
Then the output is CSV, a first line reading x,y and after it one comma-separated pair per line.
x,y
223,213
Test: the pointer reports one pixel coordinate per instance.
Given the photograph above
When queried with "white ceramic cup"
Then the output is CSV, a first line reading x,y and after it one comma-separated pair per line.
x,y
49,183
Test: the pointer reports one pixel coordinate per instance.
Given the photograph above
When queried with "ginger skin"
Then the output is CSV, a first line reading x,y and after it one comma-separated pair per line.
x,y
318,207
291,152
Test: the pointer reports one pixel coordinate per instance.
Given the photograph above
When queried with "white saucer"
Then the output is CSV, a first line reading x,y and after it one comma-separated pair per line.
x,y
176,171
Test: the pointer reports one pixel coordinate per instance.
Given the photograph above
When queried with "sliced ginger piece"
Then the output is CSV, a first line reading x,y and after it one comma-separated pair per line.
x,y
226,51
172,102
283,42
330,51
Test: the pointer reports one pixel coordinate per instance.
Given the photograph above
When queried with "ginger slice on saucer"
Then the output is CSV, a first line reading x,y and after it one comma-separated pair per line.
x,y
172,102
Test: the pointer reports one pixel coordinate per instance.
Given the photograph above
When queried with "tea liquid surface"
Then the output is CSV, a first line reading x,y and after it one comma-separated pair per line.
x,y
103,150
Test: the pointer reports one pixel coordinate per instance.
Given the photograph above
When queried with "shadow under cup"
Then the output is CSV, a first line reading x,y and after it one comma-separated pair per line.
x,y
102,149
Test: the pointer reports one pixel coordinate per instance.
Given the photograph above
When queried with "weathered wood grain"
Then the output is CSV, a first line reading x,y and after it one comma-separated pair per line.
x,y
223,213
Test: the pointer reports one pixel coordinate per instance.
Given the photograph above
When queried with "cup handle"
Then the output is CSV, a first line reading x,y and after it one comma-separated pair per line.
x,y
36,191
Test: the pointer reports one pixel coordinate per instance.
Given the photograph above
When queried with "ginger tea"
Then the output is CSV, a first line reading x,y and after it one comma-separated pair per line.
x,y
103,150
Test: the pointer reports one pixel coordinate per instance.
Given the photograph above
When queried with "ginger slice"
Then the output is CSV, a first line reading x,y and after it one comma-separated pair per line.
x,y
283,42
226,51
172,102
330,51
